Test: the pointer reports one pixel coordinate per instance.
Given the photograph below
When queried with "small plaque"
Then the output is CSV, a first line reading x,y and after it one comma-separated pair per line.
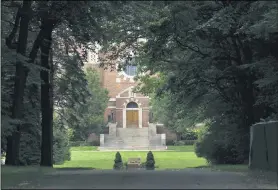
x,y
134,162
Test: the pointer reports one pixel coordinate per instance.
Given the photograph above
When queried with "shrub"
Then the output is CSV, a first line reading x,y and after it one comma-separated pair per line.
x,y
118,163
189,142
93,139
179,143
220,143
150,162
95,143
30,146
189,134
61,144
170,142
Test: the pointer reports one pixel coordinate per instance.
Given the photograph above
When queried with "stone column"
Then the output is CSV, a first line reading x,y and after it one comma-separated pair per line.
x,y
140,118
124,117
101,139
163,139
112,129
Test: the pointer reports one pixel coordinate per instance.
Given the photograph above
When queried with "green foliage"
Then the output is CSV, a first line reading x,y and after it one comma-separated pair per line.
x,y
184,142
88,118
222,143
30,146
70,90
167,111
118,163
84,143
179,143
170,142
61,145
216,60
189,134
150,162
219,63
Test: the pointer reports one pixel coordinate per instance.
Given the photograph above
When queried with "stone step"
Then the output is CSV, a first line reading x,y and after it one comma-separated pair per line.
x,y
141,143
128,141
134,148
132,133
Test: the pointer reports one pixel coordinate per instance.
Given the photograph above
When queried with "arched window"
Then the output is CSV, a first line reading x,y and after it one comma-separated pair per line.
x,y
131,105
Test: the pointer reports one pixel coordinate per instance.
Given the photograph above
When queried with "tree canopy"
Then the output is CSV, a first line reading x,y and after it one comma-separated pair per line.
x,y
212,61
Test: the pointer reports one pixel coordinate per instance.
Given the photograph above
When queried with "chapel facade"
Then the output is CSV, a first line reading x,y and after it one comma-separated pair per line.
x,y
126,108
127,113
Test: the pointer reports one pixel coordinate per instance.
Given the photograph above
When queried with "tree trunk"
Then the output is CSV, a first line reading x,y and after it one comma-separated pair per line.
x,y
46,96
20,80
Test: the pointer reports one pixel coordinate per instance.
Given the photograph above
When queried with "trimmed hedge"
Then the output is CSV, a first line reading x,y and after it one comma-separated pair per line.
x,y
150,162
118,162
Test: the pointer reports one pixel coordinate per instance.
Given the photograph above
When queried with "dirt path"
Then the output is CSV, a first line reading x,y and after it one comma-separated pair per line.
x,y
182,179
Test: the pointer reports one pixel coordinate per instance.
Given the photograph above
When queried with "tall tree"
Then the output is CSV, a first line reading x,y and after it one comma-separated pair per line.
x,y
20,80
91,113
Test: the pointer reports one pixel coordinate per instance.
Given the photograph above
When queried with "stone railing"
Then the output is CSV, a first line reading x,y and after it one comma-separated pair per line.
x,y
112,129
152,129
156,139
112,133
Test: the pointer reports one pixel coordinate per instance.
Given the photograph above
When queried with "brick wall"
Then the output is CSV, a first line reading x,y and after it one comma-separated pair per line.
x,y
115,84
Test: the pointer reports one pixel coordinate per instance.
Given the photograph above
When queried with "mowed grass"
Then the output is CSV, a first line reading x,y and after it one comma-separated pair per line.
x,y
176,157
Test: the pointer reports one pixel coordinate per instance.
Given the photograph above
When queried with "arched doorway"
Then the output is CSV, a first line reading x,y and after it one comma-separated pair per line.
x,y
132,115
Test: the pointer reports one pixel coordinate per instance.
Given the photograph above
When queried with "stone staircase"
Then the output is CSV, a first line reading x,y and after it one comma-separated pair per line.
x,y
128,138
131,139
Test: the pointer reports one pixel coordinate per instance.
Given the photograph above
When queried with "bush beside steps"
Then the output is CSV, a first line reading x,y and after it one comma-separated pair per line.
x,y
150,163
118,162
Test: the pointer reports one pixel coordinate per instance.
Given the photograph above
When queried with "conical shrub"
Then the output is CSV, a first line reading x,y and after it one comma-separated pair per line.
x,y
150,163
118,163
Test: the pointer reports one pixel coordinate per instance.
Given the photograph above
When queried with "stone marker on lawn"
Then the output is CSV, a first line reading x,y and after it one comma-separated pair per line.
x,y
134,163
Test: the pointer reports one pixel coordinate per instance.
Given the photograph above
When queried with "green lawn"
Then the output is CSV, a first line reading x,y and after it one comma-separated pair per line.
x,y
175,158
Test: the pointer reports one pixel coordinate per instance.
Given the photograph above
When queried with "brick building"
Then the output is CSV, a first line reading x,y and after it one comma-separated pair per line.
x,y
127,113
125,108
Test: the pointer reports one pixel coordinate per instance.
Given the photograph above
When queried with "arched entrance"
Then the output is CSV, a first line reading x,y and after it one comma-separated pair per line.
x,y
132,115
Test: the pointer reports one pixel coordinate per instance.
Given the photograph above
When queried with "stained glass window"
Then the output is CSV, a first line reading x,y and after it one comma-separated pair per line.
x,y
130,70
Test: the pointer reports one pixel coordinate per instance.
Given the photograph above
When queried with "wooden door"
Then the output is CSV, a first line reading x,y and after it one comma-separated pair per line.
x,y
132,118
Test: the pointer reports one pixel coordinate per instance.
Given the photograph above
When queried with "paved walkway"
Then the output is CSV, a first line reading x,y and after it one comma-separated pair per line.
x,y
182,179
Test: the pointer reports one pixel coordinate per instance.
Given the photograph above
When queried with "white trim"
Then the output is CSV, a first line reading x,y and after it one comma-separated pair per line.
x,y
111,107
124,118
112,99
140,118
133,108
140,111
127,89
132,100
